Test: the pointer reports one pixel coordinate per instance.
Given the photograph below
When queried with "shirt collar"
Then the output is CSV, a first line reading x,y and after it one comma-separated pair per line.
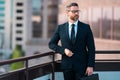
x,y
76,22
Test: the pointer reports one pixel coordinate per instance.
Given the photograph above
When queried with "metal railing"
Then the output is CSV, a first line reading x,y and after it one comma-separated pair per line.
x,y
26,59
115,62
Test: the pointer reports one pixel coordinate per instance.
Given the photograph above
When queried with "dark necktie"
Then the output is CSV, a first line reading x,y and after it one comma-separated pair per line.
x,y
73,34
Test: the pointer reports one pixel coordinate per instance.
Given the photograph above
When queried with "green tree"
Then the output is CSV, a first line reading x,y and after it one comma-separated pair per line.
x,y
17,52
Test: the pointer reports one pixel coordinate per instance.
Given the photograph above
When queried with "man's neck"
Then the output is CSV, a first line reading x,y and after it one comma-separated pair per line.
x,y
72,21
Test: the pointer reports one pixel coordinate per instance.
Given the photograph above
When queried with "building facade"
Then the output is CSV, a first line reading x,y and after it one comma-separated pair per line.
x,y
18,24
44,21
2,22
21,22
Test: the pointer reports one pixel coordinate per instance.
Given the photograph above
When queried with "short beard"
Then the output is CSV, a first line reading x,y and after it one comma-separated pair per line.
x,y
74,18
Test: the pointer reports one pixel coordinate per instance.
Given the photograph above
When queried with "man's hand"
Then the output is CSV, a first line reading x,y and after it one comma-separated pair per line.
x,y
89,71
68,52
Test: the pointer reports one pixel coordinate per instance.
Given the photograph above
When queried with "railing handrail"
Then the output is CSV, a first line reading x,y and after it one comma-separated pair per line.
x,y
36,55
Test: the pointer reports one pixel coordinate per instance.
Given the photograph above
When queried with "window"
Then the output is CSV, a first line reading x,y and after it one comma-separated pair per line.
x,y
19,11
2,14
1,21
1,27
1,8
19,39
2,2
19,25
19,18
19,4
19,31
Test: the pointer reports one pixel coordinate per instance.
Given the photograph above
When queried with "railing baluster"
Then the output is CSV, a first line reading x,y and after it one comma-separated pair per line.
x,y
26,70
53,66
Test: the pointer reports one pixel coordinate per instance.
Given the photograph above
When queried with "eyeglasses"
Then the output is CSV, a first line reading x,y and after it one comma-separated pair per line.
x,y
74,11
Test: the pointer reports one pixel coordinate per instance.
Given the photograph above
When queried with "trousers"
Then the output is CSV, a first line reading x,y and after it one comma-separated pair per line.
x,y
70,74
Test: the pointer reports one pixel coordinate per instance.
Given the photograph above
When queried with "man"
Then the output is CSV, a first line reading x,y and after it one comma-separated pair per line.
x,y
77,45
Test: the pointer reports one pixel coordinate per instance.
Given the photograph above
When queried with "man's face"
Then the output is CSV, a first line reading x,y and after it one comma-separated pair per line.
x,y
73,13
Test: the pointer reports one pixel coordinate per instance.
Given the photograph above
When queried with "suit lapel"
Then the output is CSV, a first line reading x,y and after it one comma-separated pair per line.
x,y
67,31
78,31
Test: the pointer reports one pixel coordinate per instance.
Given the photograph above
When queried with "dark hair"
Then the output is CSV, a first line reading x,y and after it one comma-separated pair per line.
x,y
71,4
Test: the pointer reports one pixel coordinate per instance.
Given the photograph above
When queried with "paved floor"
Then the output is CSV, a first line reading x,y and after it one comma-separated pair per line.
x,y
110,75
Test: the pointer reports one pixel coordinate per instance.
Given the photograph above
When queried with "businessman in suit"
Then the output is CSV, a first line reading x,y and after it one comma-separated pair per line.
x,y
77,45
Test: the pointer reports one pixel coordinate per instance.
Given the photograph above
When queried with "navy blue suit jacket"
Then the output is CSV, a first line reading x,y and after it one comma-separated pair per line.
x,y
83,49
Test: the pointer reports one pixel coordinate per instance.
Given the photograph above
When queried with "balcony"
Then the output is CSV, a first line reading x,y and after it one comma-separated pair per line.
x,y
108,69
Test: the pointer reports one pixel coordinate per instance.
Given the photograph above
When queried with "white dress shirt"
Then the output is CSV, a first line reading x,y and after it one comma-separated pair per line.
x,y
70,28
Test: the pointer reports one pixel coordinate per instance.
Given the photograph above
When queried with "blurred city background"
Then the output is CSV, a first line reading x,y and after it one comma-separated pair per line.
x,y
31,23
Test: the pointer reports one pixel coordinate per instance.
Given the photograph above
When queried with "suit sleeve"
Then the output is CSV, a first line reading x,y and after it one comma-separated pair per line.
x,y
91,48
53,44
